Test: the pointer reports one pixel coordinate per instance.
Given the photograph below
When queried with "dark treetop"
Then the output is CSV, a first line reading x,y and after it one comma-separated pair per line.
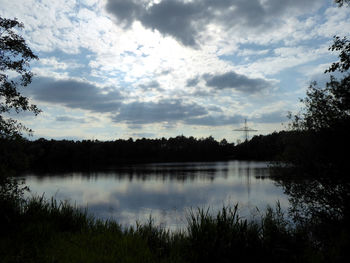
x,y
15,56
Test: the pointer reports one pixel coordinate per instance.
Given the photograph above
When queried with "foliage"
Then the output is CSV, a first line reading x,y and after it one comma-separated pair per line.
x,y
328,107
15,56
47,231
324,107
342,45
264,147
319,206
325,118
53,155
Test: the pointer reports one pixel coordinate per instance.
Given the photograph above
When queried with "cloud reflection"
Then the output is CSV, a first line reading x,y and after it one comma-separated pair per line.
x,y
165,191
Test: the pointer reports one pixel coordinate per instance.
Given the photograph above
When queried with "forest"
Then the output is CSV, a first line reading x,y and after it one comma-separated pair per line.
x,y
314,151
58,155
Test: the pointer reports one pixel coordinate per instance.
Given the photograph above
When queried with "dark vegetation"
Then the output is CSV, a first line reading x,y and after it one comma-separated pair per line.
x,y
313,173
38,230
15,56
52,155
314,151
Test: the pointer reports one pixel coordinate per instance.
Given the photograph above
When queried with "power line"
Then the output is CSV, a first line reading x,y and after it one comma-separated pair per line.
x,y
245,130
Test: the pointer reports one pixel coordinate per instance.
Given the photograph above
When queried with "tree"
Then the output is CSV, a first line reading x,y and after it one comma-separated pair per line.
x,y
15,56
324,120
328,107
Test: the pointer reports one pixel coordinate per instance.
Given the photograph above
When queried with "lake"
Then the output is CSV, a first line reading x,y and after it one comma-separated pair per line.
x,y
165,191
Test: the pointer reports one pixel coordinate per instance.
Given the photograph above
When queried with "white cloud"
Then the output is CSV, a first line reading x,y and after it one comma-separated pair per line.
x,y
55,64
285,58
79,39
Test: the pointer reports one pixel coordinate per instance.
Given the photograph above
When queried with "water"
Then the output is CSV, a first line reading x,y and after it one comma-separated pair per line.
x,y
164,191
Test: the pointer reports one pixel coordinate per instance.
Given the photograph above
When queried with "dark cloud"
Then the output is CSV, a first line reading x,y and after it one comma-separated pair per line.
x,y
156,112
168,17
215,108
173,18
184,20
75,94
232,80
192,82
70,119
153,85
271,117
126,11
83,95
220,120
165,72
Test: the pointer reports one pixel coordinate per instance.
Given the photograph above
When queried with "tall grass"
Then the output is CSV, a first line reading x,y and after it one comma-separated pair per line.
x,y
49,231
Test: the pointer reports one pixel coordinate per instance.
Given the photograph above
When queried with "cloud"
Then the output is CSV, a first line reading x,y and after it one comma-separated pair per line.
x,y
56,64
144,135
153,85
125,11
185,20
168,17
271,117
155,112
86,96
232,80
192,82
215,108
252,52
75,94
220,120
70,119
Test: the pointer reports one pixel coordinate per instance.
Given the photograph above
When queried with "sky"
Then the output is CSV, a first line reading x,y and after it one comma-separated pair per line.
x,y
113,69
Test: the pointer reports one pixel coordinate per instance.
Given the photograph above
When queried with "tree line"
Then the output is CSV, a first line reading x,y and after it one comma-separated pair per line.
x,y
318,140
59,155
51,155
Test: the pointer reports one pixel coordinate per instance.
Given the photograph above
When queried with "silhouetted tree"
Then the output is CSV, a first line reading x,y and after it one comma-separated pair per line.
x,y
329,106
15,56
51,155
320,201
325,118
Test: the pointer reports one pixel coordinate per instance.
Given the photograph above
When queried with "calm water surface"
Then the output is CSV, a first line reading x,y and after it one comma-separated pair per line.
x,y
165,191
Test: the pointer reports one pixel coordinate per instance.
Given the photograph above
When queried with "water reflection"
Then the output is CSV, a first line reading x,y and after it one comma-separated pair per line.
x,y
166,191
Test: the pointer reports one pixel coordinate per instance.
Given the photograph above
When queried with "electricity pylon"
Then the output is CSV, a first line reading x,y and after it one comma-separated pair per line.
x,y
246,130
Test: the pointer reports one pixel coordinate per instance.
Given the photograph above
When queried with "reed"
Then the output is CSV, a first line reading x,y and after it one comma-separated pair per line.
x,y
44,230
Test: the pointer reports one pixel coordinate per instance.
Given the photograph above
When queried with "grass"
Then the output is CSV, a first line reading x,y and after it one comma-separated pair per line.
x,y
39,230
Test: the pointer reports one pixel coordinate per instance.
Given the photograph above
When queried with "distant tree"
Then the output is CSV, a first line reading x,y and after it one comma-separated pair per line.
x,y
15,56
223,142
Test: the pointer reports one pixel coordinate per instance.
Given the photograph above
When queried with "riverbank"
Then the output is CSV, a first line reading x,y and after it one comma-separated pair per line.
x,y
39,230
